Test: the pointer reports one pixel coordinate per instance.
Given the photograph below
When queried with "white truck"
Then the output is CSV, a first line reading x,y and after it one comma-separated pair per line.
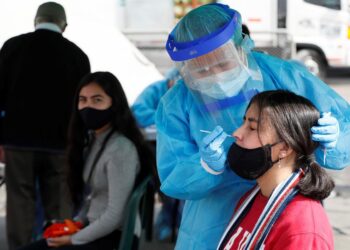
x,y
315,32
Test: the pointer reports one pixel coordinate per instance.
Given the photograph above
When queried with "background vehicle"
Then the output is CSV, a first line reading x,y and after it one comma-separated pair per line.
x,y
315,32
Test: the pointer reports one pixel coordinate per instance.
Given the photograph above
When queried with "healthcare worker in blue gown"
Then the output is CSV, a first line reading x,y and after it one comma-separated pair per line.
x,y
145,105
221,73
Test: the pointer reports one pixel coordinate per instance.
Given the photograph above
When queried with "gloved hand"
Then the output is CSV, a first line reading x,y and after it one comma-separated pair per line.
x,y
212,151
327,131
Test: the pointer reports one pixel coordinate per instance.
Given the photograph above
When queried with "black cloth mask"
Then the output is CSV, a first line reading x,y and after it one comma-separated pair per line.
x,y
250,163
95,118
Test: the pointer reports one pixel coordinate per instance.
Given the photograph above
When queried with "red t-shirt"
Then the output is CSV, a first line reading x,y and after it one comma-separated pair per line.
x,y
302,225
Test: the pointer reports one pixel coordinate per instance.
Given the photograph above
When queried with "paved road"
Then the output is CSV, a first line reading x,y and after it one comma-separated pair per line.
x,y
338,209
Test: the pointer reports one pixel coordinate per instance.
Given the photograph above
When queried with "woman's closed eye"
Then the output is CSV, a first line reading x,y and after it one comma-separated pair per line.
x,y
252,128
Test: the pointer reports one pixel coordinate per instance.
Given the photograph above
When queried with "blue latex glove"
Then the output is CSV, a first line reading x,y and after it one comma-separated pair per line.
x,y
327,131
212,151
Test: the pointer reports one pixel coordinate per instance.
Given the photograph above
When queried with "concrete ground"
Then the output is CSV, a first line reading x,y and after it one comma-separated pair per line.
x,y
338,209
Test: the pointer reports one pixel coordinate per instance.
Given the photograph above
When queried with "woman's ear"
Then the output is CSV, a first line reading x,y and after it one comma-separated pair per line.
x,y
285,151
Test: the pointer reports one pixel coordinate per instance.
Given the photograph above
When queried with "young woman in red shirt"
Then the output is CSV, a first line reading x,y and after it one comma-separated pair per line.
x,y
274,147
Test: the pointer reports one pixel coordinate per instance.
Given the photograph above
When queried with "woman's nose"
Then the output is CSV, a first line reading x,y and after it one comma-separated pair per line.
x,y
84,105
238,134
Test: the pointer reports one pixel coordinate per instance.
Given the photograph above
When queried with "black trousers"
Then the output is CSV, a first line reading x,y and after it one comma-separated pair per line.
x,y
109,242
23,169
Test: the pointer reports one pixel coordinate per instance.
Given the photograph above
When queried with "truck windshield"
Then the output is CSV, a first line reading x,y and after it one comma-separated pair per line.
x,y
331,4
282,13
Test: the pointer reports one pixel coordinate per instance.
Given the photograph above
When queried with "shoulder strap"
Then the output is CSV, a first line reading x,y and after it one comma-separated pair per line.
x,y
273,219
98,155
277,202
279,199
237,218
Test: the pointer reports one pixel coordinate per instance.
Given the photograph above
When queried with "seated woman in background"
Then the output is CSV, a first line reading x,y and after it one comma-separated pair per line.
x,y
274,147
106,151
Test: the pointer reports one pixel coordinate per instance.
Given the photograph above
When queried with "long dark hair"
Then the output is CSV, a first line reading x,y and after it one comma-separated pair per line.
x,y
292,117
123,122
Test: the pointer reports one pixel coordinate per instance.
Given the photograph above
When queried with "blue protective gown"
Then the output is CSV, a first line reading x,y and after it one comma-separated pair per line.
x,y
145,105
211,199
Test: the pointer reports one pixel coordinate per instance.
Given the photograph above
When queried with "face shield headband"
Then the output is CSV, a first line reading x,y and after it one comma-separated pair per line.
x,y
181,51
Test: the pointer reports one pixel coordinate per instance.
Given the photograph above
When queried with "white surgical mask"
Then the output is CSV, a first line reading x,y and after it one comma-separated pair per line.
x,y
223,85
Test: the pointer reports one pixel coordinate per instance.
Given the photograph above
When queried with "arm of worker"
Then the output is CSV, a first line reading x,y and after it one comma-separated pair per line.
x,y
297,79
178,159
145,105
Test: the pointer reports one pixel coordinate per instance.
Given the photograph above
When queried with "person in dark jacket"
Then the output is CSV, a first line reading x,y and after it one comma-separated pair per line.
x,y
39,73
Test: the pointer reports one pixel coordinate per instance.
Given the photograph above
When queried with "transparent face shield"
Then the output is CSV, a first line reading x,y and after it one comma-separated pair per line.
x,y
222,76
218,74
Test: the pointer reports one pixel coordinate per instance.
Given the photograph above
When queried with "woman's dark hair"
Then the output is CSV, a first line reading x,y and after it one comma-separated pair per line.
x,y
292,116
123,122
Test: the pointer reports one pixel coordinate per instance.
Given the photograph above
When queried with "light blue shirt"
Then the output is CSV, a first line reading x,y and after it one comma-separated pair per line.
x,y
145,106
48,26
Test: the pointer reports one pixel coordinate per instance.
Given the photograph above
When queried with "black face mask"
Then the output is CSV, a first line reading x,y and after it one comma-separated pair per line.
x,y
250,163
95,118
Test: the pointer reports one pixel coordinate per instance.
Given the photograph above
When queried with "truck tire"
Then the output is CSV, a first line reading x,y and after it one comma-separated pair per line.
x,y
313,61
